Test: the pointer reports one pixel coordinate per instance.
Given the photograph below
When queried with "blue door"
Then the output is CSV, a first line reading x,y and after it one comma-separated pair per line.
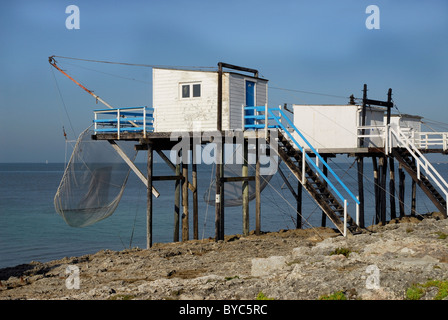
x,y
250,100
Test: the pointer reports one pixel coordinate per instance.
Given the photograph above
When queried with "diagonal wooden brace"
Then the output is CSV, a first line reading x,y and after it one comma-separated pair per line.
x,y
132,166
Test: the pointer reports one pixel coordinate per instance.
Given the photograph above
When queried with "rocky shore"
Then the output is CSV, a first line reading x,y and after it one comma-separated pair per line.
x,y
391,262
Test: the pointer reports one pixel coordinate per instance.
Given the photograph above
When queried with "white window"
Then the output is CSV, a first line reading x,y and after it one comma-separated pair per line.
x,y
190,90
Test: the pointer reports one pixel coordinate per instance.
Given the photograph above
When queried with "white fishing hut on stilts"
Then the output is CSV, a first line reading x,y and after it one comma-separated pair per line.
x,y
230,107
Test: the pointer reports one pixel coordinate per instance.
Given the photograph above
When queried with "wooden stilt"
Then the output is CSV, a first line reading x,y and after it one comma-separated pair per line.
x,y
257,195
195,199
149,198
219,192
245,191
218,204
185,214
324,216
401,187
176,204
299,205
376,187
383,170
393,214
413,194
360,163
222,216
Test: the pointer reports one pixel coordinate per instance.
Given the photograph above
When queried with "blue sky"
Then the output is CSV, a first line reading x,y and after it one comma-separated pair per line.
x,y
317,46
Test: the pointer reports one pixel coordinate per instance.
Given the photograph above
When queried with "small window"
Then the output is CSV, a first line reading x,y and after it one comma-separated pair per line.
x,y
186,91
196,90
192,90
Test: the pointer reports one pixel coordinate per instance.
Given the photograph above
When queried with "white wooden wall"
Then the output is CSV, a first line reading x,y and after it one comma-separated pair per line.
x,y
174,113
334,126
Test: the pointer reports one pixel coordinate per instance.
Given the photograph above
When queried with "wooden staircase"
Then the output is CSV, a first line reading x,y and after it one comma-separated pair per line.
x,y
408,163
314,185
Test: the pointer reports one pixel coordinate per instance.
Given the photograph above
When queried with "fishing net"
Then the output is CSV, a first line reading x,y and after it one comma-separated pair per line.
x,y
93,181
233,191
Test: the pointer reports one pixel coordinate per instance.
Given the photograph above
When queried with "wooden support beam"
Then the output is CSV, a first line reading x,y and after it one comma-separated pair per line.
x,y
185,213
166,159
173,167
363,115
413,193
149,199
299,205
379,103
257,196
219,106
222,206
219,190
236,179
167,178
360,163
231,66
195,199
177,204
285,180
324,215
132,166
393,213
401,189
383,170
376,188
245,190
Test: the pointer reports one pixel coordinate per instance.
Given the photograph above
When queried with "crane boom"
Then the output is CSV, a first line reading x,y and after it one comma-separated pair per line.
x,y
52,61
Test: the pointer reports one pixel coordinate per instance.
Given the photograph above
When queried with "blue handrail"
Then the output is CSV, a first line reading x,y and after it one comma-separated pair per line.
x,y
141,119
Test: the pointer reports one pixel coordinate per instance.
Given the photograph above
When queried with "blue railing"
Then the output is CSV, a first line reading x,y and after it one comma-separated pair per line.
x,y
270,114
127,119
259,119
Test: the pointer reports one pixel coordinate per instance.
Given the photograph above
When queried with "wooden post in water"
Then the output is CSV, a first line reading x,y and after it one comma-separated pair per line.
x,y
219,164
413,193
383,170
360,163
401,187
391,172
299,205
325,172
257,193
195,198
149,198
185,224
376,188
393,214
177,203
221,222
245,195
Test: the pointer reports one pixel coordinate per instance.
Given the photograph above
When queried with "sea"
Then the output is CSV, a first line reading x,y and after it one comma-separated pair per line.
x,y
31,229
